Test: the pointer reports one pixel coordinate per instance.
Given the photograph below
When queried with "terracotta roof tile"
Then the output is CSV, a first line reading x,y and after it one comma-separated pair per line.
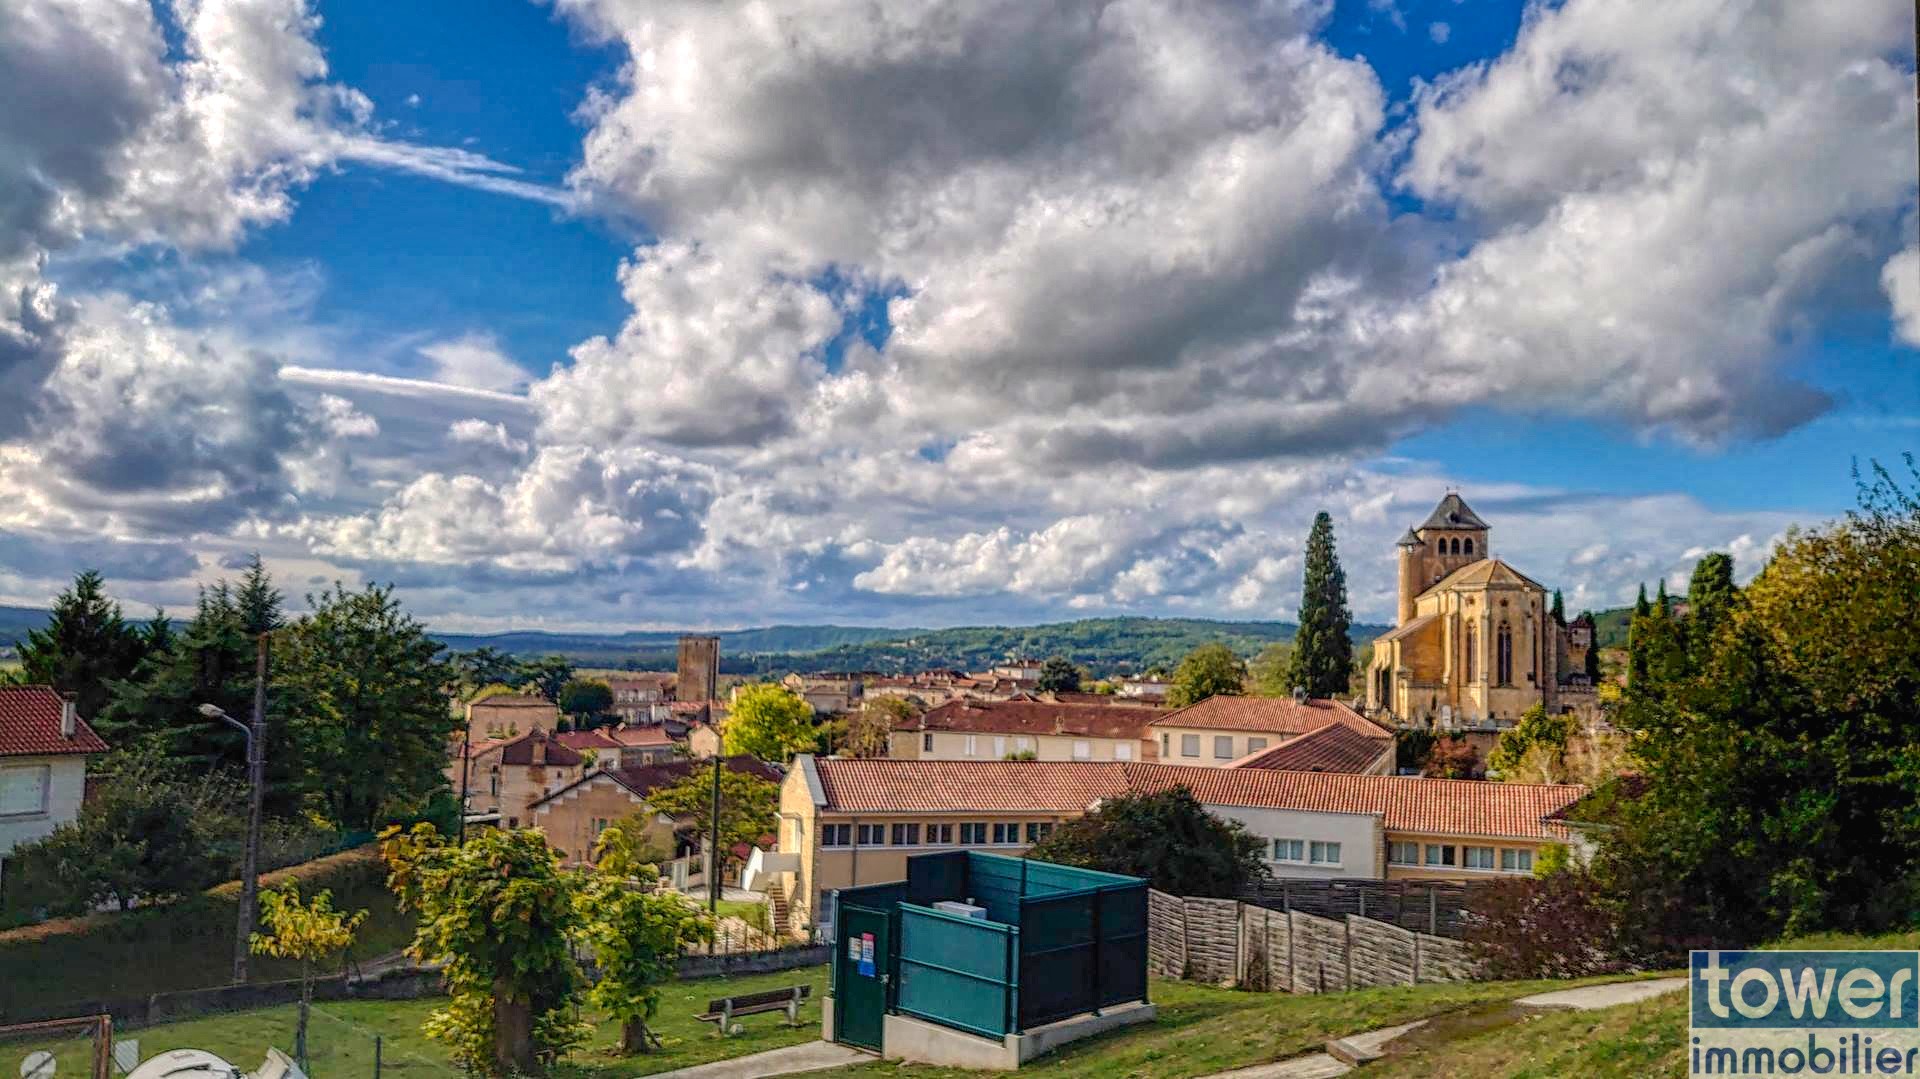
x,y
1336,747
643,779
1406,804
1270,715
1036,717
30,725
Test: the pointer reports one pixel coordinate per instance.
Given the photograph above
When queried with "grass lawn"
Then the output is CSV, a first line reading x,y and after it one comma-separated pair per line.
x,y
340,1036
1204,1029
754,914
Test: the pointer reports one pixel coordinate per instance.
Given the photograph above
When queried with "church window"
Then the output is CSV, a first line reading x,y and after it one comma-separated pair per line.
x,y
1503,656
1469,663
1469,546
1456,545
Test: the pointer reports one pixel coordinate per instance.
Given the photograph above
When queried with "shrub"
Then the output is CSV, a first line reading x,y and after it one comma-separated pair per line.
x,y
1557,926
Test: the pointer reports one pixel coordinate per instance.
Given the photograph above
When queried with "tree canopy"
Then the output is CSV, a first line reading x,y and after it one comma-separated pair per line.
x,y
1167,837
86,646
1211,670
768,721
1059,675
586,699
749,806
1322,650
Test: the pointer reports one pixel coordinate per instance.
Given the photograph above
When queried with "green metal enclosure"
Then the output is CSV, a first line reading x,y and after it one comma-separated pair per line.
x,y
1080,934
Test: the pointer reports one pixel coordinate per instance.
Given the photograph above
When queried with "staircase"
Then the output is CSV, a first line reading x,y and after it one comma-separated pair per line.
x,y
782,927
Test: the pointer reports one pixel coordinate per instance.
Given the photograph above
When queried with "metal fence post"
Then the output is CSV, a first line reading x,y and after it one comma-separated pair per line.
x,y
376,1056
1433,912
1093,967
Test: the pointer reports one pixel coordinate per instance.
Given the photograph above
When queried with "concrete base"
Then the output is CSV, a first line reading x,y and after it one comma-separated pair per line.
x,y
922,1042
826,1018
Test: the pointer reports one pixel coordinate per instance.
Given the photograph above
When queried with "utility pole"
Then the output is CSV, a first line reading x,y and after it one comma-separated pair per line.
x,y
713,843
257,779
466,773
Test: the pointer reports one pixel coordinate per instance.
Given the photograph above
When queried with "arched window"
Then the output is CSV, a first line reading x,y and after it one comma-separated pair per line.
x,y
1469,665
1503,656
1456,545
1469,546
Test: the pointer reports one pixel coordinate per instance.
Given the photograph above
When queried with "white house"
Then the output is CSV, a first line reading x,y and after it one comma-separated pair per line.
x,y
44,746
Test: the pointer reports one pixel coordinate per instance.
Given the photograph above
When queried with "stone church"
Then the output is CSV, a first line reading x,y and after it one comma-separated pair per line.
x,y
1475,644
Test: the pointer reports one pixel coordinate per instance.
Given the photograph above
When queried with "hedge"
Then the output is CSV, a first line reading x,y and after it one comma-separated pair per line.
x,y
187,944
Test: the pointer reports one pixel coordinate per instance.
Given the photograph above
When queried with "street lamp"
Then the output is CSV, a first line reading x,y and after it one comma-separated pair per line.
x,y
256,735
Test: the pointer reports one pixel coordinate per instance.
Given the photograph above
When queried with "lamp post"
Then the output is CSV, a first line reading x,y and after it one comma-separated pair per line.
x,y
256,735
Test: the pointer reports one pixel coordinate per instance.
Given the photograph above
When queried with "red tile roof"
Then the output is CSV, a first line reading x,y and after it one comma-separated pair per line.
x,y
510,700
882,785
643,779
1036,717
30,725
1336,747
1269,715
594,739
518,749
1405,804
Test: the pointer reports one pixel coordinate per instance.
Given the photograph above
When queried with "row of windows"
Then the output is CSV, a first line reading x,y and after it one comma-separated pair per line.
x,y
971,833
1306,852
1448,856
1002,746
1222,746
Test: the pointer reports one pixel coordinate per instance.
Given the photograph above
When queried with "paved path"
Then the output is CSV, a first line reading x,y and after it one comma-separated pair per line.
x,y
1588,997
1372,1044
794,1059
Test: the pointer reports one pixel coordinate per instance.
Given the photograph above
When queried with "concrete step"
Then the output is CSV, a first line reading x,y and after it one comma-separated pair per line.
x,y
1358,1049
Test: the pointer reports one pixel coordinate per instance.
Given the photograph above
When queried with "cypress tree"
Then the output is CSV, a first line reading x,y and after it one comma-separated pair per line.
x,y
1637,640
1559,609
1322,651
1710,594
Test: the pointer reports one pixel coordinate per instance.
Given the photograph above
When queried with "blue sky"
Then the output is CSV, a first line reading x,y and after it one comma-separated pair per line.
x,y
697,322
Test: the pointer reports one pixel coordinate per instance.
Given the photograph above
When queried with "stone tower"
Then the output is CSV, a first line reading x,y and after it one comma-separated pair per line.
x,y
1452,536
697,670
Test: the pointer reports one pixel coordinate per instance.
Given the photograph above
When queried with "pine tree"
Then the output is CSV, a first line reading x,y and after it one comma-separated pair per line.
x,y
1322,650
86,646
1636,639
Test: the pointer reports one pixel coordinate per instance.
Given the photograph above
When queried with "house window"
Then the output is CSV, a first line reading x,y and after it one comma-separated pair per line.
x,y
1022,744
1006,833
1516,861
599,825
1189,745
493,782
906,835
873,835
1399,853
1223,747
1439,854
1038,830
1477,857
1082,749
973,748
23,791
1255,745
972,834
836,835
939,833
1123,751
999,748
1289,850
1164,751
1320,853
926,742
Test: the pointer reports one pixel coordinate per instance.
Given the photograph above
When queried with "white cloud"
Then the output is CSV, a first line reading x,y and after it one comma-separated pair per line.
x,y
477,432
1439,32
1901,280
476,362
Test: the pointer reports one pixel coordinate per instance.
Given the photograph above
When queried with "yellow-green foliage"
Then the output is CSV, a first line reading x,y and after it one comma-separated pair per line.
x,y
309,931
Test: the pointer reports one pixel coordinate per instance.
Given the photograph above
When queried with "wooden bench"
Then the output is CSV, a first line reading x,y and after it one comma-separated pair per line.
x,y
724,1010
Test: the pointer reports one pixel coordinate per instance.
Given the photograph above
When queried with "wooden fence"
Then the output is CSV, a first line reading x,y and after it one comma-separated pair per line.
x,y
1437,908
1225,942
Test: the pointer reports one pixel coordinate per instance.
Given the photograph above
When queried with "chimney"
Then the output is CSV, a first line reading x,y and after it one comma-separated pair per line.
x,y
539,748
1299,694
69,715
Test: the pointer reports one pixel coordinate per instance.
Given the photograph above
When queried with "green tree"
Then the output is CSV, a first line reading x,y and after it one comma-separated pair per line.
x,y
1452,758
1710,597
637,933
749,807
86,646
502,916
1059,675
768,721
870,727
1167,837
1536,729
370,690
1211,670
548,676
310,932
1271,671
586,700
485,666
1780,777
1322,649
1637,628
1559,608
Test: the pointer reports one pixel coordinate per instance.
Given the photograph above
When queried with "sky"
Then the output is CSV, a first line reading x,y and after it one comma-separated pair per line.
x,y
610,314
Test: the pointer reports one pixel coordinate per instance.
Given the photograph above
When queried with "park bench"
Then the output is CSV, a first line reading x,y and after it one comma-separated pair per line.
x,y
723,1010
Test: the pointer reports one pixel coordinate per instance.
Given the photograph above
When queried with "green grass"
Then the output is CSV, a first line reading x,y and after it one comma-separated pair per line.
x,y
1203,1029
754,914
340,1036
1628,1042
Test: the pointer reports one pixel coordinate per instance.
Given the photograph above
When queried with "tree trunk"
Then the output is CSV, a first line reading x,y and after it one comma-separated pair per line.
x,y
636,1038
306,1001
513,1050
